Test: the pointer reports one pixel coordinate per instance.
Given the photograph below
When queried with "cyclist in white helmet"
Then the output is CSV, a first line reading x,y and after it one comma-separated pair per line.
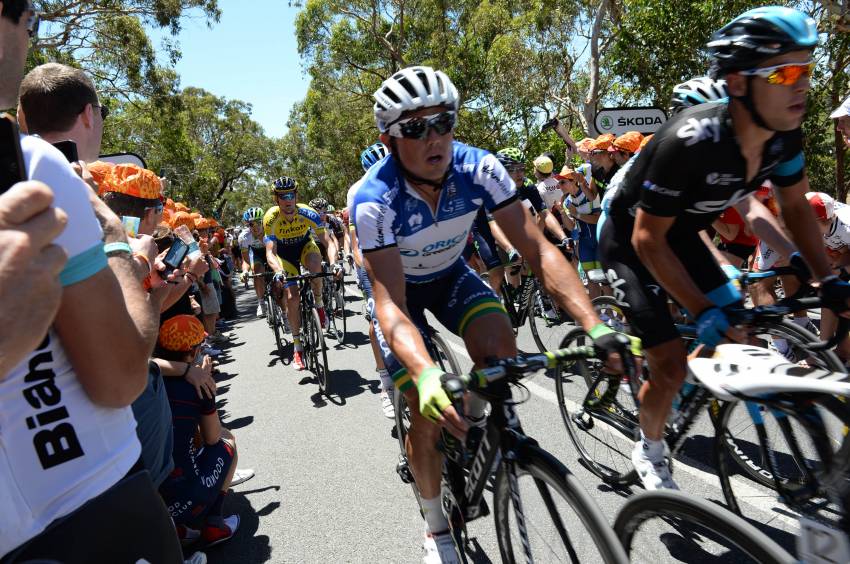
x,y
253,252
413,212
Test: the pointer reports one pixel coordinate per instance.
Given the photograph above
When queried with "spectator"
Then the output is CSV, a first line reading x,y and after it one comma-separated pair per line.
x,y
60,103
842,117
736,242
625,146
78,496
603,167
547,186
196,489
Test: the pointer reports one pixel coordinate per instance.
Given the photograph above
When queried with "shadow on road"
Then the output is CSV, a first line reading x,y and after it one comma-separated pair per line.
x,y
353,339
246,546
239,422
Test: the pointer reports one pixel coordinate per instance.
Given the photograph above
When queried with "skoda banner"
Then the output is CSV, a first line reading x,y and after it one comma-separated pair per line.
x,y
619,120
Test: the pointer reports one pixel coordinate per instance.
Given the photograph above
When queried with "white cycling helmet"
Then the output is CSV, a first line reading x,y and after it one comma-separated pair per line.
x,y
411,89
697,91
822,204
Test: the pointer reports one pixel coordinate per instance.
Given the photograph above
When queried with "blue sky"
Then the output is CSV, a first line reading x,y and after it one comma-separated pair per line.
x,y
250,55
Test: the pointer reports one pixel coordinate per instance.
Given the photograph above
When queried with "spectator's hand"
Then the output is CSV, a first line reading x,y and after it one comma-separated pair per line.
x,y
572,210
82,170
30,264
201,378
196,307
113,229
197,266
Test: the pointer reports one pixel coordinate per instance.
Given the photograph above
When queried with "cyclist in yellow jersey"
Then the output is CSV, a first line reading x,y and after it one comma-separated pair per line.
x,y
289,228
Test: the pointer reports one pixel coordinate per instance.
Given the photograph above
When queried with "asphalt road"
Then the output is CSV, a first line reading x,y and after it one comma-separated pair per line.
x,y
326,489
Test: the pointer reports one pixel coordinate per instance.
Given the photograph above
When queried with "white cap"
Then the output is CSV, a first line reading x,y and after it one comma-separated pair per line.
x,y
842,111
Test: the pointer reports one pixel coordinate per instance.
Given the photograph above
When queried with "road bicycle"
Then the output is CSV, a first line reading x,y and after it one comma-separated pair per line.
x,y
312,335
275,315
333,296
600,411
540,509
528,301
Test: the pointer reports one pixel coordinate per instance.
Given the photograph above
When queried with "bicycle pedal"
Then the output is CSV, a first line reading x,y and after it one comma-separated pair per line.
x,y
403,470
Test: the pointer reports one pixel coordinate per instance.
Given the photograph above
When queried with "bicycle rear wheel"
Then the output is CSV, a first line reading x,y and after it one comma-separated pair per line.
x,y
550,325
692,530
599,413
339,310
542,512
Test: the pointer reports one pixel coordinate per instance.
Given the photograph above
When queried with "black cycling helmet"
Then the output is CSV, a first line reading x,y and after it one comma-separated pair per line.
x,y
758,35
319,204
285,184
755,36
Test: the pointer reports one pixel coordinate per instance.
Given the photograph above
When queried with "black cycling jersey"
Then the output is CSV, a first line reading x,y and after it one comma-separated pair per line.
x,y
336,225
693,169
528,191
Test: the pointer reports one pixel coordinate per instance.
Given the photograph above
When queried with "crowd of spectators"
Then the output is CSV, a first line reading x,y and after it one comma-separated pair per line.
x,y
112,448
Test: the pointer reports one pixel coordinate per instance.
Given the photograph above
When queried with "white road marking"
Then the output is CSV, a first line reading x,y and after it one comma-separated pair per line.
x,y
745,491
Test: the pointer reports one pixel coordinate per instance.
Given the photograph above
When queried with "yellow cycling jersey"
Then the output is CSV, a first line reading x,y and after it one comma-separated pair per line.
x,y
278,228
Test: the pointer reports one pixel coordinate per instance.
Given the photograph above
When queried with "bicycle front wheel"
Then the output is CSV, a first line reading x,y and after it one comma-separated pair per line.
x,y
599,413
691,529
543,513
443,355
320,354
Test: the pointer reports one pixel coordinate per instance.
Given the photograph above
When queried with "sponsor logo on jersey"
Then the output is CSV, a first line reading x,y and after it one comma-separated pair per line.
x,y
410,204
712,206
696,130
723,179
436,247
661,190
415,221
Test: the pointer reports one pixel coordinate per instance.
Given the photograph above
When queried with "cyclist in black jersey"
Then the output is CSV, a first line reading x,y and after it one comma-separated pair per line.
x,y
704,160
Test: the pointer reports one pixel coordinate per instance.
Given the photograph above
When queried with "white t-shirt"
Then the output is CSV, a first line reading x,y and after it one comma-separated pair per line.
x,y
839,233
57,448
550,191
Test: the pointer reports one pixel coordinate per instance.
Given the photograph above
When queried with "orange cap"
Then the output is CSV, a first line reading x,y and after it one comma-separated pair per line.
x,y
585,144
628,142
202,223
100,171
135,181
182,218
180,206
181,333
602,142
644,142
169,204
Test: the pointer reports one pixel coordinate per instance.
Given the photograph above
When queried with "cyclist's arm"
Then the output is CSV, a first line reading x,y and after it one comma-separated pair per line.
x,y
649,239
715,252
246,260
766,227
726,230
559,278
271,256
800,221
499,236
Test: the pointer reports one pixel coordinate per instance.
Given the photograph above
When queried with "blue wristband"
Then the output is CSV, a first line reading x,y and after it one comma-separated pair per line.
x,y
112,249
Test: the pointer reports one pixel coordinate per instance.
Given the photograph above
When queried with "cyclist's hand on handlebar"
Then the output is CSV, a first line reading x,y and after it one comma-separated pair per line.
x,y
713,326
611,346
435,404
243,276
513,256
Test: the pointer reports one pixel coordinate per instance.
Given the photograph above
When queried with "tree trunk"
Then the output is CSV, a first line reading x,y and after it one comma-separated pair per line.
x,y
591,101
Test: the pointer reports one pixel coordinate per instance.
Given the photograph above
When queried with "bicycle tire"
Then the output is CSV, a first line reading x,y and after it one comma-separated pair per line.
x,y
443,355
339,310
668,504
321,356
547,334
550,475
805,458
613,467
269,299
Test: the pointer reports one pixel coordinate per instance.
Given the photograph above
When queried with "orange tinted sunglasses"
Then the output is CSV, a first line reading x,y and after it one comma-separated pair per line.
x,y
786,75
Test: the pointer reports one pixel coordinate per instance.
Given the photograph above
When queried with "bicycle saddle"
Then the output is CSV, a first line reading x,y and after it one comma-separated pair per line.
x,y
747,372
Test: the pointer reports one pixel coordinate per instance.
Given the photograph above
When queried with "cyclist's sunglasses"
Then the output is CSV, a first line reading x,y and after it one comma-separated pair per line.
x,y
291,195
516,168
417,127
252,223
786,75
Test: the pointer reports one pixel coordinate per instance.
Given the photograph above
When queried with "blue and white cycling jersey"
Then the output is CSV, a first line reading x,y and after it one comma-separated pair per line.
x,y
389,213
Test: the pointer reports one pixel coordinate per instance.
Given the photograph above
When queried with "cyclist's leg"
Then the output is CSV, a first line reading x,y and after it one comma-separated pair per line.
x,y
490,257
289,262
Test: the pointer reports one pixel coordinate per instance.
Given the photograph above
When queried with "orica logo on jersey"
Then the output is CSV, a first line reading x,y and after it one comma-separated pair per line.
x,y
435,247
696,130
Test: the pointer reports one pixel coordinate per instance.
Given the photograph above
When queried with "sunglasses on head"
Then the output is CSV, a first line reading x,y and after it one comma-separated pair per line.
x,y
157,208
417,127
286,195
786,75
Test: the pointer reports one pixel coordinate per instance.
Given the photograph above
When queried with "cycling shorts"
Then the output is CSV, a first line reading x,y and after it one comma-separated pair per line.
x,y
743,252
456,299
486,249
190,492
587,246
633,284
293,256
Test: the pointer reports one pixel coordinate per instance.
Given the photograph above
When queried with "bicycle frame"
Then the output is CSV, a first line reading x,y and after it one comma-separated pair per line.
x,y
524,293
